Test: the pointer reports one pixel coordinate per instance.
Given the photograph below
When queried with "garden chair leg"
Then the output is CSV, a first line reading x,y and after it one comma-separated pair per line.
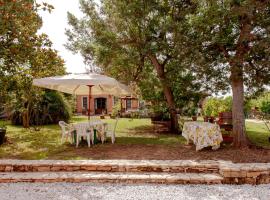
x,y
62,139
113,138
77,142
72,138
88,141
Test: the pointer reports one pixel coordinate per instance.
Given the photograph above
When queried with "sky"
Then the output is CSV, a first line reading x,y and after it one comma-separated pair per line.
x,y
54,25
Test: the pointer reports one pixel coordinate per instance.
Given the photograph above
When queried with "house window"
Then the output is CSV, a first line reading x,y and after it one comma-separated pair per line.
x,y
85,103
128,104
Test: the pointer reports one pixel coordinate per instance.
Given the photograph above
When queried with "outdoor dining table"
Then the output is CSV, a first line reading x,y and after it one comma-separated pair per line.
x,y
202,134
92,125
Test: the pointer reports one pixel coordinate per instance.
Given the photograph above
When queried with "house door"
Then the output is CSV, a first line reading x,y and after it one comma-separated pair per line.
x,y
100,106
128,104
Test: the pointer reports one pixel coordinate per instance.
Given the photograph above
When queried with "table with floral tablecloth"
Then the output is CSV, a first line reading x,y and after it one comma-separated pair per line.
x,y
203,134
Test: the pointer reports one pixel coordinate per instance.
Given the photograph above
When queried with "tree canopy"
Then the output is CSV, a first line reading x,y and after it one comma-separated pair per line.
x,y
173,47
232,49
140,41
233,35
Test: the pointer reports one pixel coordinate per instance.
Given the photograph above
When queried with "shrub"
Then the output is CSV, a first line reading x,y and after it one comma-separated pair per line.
x,y
265,107
264,103
56,107
116,109
50,108
160,113
213,106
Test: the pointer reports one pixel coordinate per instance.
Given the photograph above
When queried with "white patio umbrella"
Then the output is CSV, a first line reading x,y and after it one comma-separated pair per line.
x,y
84,84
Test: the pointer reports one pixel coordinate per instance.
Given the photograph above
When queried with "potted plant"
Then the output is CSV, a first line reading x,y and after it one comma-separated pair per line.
x,y
205,118
193,113
194,118
3,130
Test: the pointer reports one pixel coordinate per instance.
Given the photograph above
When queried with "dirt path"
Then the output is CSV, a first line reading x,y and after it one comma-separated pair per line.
x,y
164,152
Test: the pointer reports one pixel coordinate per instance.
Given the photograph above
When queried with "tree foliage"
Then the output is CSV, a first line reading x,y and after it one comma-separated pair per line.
x,y
141,41
19,23
24,54
223,43
232,49
232,34
213,106
50,108
262,102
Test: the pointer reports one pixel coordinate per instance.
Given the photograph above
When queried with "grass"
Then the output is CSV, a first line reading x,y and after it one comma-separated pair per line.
x,y
45,144
258,134
139,131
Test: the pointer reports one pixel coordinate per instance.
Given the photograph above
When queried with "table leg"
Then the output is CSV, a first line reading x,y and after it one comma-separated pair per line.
x,y
188,141
74,137
95,136
216,147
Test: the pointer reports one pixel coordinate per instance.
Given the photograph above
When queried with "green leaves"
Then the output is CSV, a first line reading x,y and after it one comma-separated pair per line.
x,y
24,55
232,33
120,35
213,106
262,102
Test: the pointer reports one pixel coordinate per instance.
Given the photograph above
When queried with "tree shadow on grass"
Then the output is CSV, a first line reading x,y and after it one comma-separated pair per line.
x,y
26,144
46,143
149,130
161,140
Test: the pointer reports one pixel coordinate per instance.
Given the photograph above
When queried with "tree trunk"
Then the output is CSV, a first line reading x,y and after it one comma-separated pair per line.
x,y
167,92
26,117
240,139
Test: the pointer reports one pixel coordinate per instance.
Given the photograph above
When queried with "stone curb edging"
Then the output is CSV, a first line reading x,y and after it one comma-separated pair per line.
x,y
231,173
177,166
245,173
111,177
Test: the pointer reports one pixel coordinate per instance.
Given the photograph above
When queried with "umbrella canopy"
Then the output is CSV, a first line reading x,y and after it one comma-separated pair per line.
x,y
84,84
79,84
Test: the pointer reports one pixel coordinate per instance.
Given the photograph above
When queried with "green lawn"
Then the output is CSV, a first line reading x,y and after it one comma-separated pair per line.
x,y
44,144
31,144
138,131
258,134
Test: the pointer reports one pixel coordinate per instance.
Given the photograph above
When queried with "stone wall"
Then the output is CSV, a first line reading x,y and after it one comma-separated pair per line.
x,y
157,171
248,173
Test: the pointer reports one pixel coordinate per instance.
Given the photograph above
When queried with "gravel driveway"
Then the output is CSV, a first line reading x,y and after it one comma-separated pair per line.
x,y
72,191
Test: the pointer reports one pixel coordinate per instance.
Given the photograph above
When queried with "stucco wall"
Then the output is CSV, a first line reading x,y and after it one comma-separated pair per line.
x,y
79,102
134,104
109,103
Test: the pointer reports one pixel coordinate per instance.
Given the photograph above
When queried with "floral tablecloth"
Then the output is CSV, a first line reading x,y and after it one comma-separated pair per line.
x,y
203,134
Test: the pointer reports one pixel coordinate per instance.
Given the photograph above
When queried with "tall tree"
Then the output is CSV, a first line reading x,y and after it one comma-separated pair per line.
x,y
233,48
19,23
130,37
24,54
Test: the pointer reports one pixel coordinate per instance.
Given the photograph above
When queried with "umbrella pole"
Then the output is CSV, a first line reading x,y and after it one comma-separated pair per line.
x,y
89,101
89,109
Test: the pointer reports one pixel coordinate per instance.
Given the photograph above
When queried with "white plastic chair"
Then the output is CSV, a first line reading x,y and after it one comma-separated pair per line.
x,y
81,131
101,130
110,132
66,131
